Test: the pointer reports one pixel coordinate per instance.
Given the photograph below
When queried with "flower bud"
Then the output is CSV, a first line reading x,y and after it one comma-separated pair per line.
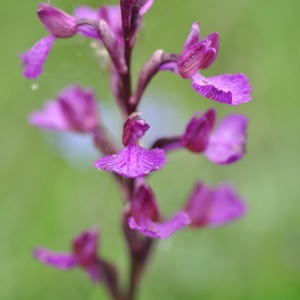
x,y
57,22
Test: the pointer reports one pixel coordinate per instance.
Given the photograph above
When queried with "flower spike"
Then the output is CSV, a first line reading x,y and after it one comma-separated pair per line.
x,y
115,29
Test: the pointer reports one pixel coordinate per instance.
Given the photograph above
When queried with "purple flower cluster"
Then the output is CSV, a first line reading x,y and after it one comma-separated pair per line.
x,y
76,109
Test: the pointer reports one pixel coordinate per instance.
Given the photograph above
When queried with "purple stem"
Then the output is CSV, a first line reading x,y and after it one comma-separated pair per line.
x,y
139,248
168,143
110,279
138,264
150,69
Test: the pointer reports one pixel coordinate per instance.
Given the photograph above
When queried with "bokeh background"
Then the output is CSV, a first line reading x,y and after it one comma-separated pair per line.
x,y
50,191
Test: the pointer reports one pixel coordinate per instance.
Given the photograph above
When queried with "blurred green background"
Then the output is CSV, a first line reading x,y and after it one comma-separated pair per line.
x,y
46,200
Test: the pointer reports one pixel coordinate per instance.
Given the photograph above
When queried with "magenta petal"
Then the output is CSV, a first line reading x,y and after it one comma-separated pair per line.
x,y
196,135
191,60
146,6
80,108
51,117
133,161
214,206
199,55
85,247
86,12
228,143
57,22
198,205
75,109
143,203
212,44
134,129
159,230
63,261
227,206
34,58
111,14
232,89
193,37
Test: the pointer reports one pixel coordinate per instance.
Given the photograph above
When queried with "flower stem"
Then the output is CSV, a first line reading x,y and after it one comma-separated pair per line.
x,y
138,264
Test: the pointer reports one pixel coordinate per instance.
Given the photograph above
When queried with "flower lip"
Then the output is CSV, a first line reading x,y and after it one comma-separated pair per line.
x,y
232,89
133,161
61,260
214,206
35,58
228,143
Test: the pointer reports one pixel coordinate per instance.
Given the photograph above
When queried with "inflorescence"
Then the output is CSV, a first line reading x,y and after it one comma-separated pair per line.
x,y
75,109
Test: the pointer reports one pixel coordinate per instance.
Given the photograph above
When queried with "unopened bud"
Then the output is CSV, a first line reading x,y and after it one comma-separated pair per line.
x,y
57,22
